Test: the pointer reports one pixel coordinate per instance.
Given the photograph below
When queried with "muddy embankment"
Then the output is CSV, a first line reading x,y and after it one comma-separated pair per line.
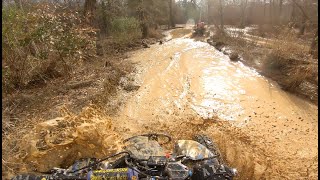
x,y
187,87
294,74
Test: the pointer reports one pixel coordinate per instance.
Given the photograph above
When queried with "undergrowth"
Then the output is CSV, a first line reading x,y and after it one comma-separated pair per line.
x,y
291,57
126,30
42,42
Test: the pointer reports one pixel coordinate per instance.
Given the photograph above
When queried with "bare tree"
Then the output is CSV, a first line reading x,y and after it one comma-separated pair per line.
x,y
314,46
171,18
293,12
305,18
221,15
243,10
208,11
273,12
143,21
89,9
264,11
270,11
89,6
280,11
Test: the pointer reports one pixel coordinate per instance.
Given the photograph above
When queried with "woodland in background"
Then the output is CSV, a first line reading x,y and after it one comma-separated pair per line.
x,y
57,52
42,39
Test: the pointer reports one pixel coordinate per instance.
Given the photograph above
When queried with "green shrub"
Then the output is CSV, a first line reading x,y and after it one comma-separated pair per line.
x,y
126,30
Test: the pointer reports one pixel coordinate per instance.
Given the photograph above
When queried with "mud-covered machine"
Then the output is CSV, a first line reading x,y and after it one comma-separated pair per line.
x,y
144,158
199,29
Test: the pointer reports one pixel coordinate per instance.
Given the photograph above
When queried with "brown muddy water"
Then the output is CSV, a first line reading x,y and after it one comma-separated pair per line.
x,y
188,87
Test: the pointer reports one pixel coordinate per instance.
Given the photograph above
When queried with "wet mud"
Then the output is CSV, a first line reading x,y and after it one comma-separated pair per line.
x,y
187,87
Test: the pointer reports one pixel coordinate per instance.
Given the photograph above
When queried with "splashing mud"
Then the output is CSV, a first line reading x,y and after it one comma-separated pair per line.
x,y
188,87
60,141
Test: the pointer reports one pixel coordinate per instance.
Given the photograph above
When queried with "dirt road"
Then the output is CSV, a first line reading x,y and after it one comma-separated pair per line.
x,y
188,87
269,133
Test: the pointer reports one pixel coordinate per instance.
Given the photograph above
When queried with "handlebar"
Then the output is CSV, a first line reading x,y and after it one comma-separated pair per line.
x,y
165,168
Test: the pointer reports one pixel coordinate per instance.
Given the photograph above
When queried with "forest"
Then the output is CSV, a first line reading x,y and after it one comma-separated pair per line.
x,y
80,76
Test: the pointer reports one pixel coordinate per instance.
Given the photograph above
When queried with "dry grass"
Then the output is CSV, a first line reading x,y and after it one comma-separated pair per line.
x,y
291,58
12,136
299,74
289,46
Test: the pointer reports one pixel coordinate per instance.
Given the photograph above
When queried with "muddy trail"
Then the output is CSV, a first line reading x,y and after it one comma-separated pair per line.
x,y
188,87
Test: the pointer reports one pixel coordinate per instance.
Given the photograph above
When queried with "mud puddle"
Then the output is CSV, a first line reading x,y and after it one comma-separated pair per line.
x,y
188,87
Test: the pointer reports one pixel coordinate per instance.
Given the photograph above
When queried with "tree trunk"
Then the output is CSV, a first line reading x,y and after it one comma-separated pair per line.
x,y
89,6
145,30
302,27
314,46
305,18
270,12
249,19
293,13
280,11
221,16
171,20
274,11
264,12
143,21
243,9
208,12
89,9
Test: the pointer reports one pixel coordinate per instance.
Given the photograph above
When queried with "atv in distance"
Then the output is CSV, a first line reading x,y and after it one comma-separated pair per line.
x,y
199,29
144,158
